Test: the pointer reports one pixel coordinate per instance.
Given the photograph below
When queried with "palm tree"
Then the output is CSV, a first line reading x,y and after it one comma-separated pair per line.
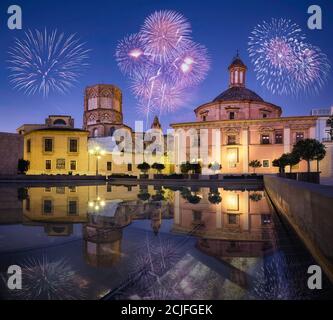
x,y
309,150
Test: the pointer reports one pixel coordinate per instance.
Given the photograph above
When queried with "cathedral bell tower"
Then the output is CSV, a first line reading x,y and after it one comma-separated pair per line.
x,y
237,71
102,110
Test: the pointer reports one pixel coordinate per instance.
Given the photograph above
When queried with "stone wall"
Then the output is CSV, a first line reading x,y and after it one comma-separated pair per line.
x,y
11,150
326,165
309,209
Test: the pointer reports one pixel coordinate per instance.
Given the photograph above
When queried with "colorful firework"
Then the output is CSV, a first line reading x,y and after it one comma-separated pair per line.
x,y
284,63
190,65
130,54
162,62
43,62
311,68
163,32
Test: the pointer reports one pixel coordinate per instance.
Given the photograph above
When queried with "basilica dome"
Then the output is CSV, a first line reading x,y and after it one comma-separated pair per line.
x,y
237,102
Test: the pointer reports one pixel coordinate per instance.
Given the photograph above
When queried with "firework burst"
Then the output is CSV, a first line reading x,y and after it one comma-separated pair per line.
x,y
284,63
162,62
190,65
163,32
279,279
311,68
42,62
130,54
46,280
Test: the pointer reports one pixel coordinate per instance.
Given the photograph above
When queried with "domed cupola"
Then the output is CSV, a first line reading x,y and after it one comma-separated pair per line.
x,y
237,71
237,90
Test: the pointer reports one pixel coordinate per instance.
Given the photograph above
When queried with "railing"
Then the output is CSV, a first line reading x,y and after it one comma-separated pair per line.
x,y
327,140
312,177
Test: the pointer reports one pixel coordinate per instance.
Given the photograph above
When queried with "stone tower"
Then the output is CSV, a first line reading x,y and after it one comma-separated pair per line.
x,y
156,124
102,110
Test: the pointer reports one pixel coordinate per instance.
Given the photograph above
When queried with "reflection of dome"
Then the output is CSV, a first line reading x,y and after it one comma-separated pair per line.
x,y
58,229
239,94
55,230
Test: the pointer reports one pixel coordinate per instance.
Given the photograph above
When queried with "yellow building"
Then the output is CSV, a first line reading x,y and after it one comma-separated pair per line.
x,y
56,147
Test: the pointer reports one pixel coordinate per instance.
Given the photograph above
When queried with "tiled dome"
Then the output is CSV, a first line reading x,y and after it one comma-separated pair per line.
x,y
239,94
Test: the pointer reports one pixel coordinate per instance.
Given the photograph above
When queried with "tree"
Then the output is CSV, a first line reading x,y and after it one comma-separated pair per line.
x,y
159,196
195,167
193,199
309,150
159,167
185,167
214,197
255,164
185,192
291,159
255,197
144,167
23,166
144,196
282,162
215,166
276,163
320,155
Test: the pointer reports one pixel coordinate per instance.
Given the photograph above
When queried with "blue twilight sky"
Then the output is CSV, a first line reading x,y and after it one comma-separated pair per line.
x,y
223,26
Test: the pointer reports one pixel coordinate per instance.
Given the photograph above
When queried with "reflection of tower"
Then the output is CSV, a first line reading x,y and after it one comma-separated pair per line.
x,y
102,246
102,110
103,234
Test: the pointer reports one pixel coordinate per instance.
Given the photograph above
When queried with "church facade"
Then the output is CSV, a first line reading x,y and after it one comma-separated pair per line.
x,y
242,127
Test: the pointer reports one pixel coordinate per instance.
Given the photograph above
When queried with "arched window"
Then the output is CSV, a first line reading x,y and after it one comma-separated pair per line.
x,y
59,122
95,133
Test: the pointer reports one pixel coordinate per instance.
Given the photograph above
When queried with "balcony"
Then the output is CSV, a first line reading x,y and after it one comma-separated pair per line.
x,y
327,140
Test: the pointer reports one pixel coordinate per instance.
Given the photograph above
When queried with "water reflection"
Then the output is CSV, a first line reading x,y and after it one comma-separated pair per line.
x,y
146,242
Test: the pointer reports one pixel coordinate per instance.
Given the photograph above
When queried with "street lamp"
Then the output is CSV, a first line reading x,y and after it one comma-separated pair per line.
x,y
98,153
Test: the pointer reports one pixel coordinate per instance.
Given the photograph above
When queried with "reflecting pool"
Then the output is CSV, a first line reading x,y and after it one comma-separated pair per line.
x,y
150,242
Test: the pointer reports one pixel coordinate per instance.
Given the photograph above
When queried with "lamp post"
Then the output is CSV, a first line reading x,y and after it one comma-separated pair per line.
x,y
98,153
97,204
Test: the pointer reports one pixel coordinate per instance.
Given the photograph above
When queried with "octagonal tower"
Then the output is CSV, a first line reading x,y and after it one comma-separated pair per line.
x,y
102,110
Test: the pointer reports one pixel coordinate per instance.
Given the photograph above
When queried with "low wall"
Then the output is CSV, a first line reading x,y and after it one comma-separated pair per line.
x,y
309,209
